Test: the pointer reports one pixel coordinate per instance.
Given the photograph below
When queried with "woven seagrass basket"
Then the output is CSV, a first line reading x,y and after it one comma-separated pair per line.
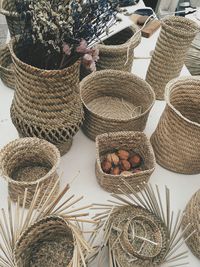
x,y
15,23
29,163
46,103
115,101
6,67
177,33
192,216
117,52
176,139
129,141
48,242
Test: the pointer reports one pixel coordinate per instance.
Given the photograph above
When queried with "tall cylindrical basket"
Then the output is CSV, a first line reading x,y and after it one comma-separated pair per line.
x,y
46,103
118,51
29,163
176,35
176,139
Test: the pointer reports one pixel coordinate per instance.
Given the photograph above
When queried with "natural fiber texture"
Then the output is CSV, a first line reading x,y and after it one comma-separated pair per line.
x,y
45,235
46,103
140,230
115,101
15,24
29,163
132,142
117,52
192,216
48,242
176,139
6,67
176,35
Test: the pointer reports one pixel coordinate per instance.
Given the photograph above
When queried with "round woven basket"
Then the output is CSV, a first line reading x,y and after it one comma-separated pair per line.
x,y
15,23
192,217
6,67
117,52
115,101
46,103
176,35
29,163
176,139
48,242
129,141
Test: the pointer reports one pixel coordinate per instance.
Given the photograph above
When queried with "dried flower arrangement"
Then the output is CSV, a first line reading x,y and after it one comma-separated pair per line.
x,y
59,32
46,234
140,231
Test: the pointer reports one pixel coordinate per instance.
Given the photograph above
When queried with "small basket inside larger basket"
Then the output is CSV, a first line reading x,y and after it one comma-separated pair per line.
x,y
6,67
29,163
129,141
115,101
47,243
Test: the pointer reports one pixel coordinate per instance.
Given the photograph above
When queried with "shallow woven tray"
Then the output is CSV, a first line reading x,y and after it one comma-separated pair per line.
x,y
176,35
6,67
48,242
29,163
115,101
130,141
192,216
176,139
117,52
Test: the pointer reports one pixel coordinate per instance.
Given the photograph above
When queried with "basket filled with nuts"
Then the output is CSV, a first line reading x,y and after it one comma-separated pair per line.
x,y
123,156
114,101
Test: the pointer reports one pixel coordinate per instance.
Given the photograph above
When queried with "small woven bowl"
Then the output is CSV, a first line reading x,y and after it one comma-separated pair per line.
x,y
114,101
132,142
117,52
29,163
47,243
6,67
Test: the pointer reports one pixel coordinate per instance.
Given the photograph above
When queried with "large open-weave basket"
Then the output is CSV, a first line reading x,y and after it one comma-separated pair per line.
x,y
29,163
176,35
6,67
129,141
16,24
115,101
176,139
48,242
192,216
46,103
117,52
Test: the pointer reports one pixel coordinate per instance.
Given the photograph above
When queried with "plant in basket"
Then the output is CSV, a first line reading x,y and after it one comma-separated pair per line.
x,y
60,35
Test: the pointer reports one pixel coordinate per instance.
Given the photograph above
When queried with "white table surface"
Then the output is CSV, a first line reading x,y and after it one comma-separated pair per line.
x,y
80,160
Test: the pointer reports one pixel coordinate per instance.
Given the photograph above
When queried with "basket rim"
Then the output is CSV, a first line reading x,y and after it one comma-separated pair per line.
x,y
3,48
136,38
39,72
116,73
39,180
168,90
46,218
180,31
122,134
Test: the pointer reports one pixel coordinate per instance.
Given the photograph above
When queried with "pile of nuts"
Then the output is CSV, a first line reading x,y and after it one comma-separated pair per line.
x,y
122,162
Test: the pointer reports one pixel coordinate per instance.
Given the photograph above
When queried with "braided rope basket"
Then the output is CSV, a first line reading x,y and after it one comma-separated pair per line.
x,y
115,101
129,141
192,216
176,139
6,67
15,24
118,51
46,103
176,35
29,163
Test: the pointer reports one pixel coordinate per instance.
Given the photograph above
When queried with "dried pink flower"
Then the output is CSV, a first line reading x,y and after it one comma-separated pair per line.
x,y
66,49
89,62
95,53
82,48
